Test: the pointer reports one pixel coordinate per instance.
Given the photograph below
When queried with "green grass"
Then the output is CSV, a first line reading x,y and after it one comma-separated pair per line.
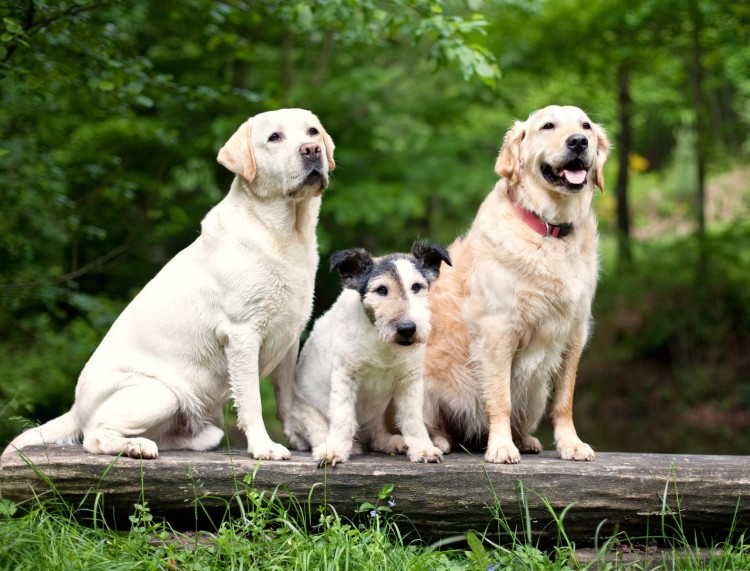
x,y
264,532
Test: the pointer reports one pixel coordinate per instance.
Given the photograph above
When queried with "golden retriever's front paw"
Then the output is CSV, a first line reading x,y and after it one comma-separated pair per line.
x,y
426,454
575,450
325,454
503,454
270,451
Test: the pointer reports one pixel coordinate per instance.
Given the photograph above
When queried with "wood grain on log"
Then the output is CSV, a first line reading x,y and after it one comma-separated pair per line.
x,y
637,493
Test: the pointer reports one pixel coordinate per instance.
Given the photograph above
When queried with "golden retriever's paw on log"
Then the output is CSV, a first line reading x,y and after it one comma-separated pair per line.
x,y
575,450
503,454
530,445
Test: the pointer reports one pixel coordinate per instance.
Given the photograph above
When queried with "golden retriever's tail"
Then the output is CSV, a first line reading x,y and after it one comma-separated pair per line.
x,y
61,430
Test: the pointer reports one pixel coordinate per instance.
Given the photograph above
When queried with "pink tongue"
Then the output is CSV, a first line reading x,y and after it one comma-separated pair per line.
x,y
575,177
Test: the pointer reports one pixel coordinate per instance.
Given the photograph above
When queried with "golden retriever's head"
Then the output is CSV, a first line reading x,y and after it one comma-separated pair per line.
x,y
286,151
559,147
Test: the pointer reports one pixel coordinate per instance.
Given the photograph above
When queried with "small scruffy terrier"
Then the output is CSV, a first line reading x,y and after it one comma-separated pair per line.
x,y
367,350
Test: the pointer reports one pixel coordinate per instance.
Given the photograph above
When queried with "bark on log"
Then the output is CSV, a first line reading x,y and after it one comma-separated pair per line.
x,y
641,494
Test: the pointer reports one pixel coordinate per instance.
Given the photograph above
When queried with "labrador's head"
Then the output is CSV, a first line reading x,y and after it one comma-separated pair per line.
x,y
281,152
559,147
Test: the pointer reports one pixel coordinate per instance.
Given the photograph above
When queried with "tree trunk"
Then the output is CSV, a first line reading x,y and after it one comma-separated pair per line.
x,y
624,146
656,494
697,73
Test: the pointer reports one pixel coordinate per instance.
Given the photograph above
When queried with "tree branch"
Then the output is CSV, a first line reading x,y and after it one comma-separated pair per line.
x,y
91,266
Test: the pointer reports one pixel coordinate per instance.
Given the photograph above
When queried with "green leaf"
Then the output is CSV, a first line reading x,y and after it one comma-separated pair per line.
x,y
4,152
385,491
145,101
478,550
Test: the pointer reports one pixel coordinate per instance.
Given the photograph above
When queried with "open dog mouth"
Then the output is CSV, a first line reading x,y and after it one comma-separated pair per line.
x,y
571,175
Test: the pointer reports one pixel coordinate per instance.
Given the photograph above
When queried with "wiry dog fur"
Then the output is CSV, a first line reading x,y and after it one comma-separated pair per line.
x,y
367,350
511,318
219,316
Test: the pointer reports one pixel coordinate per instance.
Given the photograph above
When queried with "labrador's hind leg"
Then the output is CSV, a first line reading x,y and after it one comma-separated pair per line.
x,y
132,420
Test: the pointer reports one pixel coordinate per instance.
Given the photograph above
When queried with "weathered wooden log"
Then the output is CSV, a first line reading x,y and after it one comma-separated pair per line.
x,y
641,494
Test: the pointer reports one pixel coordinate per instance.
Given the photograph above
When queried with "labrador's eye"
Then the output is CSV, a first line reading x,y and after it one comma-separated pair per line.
x,y
586,125
382,290
416,288
313,131
274,137
548,126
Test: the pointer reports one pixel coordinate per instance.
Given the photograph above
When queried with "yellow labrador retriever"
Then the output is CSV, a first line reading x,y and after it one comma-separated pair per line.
x,y
511,317
219,316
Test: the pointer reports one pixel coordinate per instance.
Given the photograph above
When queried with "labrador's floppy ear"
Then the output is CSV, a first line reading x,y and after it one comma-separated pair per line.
x,y
508,163
237,152
351,264
329,148
602,151
431,256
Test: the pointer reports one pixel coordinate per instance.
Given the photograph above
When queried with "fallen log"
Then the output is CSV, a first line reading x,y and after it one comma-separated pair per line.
x,y
644,495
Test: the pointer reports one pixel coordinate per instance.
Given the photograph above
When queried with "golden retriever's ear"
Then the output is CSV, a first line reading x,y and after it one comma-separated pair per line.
x,y
508,163
237,153
602,151
329,148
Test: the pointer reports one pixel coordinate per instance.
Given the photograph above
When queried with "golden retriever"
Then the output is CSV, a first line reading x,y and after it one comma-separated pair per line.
x,y
511,317
222,314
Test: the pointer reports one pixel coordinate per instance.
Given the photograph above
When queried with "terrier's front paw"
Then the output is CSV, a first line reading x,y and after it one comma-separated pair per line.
x,y
575,450
269,451
325,454
426,454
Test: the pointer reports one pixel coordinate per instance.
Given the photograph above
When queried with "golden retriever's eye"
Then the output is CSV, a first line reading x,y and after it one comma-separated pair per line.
x,y
416,288
274,137
586,125
548,126
382,290
313,131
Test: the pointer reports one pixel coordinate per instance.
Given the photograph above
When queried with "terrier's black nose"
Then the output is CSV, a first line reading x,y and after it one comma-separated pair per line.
x,y
577,143
406,329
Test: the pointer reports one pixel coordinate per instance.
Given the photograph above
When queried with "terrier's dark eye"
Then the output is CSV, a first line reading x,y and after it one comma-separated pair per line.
x,y
586,125
274,137
313,131
548,126
416,288
382,290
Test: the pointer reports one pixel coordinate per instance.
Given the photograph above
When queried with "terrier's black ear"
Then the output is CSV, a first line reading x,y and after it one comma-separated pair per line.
x,y
430,257
352,265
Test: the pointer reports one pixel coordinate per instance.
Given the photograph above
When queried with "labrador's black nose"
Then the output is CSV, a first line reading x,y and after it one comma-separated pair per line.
x,y
577,143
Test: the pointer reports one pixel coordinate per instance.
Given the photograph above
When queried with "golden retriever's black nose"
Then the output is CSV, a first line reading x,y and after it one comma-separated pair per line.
x,y
577,143
310,151
406,329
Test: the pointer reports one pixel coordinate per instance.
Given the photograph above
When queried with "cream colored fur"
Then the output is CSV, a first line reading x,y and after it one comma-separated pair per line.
x,y
511,317
219,316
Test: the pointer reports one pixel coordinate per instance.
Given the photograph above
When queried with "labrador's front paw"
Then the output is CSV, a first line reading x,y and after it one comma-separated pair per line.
x,y
269,451
426,454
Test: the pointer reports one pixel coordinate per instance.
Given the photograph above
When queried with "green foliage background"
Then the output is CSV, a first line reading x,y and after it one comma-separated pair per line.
x,y
112,112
